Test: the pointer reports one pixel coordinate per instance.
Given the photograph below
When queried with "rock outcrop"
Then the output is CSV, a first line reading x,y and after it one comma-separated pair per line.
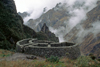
x,y
51,36
45,34
11,25
45,29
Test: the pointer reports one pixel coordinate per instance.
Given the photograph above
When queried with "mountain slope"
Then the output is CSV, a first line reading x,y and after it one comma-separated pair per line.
x,y
87,34
11,25
54,18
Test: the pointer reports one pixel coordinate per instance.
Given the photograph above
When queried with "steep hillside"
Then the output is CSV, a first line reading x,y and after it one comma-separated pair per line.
x,y
12,28
11,25
54,18
87,34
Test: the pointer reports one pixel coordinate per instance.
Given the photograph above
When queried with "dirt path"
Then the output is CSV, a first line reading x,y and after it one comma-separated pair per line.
x,y
21,56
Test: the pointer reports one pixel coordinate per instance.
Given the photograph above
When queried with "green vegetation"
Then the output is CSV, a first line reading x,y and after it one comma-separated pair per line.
x,y
34,63
98,59
82,61
5,53
92,56
42,36
53,59
11,26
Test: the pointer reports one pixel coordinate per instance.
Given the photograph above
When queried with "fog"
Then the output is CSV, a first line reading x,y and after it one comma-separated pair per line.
x,y
77,10
35,7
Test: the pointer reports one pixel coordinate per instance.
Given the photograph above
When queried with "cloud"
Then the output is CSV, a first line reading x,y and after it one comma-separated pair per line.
x,y
94,29
35,7
58,32
77,10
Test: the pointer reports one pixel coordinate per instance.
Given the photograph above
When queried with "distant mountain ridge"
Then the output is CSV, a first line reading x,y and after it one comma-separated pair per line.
x,y
24,14
12,28
90,41
83,33
54,18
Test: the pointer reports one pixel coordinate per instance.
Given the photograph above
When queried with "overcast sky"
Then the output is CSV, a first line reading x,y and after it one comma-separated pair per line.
x,y
29,5
78,12
35,7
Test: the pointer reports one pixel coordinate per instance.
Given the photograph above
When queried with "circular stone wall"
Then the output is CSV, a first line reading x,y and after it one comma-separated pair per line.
x,y
47,48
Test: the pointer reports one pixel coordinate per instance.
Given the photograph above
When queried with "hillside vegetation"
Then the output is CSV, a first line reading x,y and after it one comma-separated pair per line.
x,y
12,28
86,33
82,61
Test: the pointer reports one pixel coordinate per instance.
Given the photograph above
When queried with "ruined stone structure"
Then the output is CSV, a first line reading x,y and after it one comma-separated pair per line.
x,y
47,48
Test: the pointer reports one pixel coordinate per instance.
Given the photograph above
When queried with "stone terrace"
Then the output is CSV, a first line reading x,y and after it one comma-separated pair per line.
x,y
47,48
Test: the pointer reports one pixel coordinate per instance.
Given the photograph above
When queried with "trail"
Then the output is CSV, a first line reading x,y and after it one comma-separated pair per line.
x,y
21,56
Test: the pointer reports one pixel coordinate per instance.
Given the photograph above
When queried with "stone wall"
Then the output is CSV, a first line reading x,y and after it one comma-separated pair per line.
x,y
48,48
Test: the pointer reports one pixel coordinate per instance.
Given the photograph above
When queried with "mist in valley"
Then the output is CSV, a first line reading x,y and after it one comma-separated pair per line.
x,y
76,9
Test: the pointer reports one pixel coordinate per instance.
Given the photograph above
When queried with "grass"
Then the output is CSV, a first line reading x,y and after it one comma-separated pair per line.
x,y
82,61
5,53
24,63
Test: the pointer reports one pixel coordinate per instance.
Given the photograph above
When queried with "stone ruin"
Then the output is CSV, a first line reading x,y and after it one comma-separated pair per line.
x,y
48,48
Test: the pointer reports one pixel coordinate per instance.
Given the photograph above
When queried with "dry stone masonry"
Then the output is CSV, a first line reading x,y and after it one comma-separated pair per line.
x,y
47,48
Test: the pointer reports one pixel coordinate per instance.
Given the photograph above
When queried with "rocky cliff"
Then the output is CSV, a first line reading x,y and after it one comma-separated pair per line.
x,y
51,36
11,25
45,34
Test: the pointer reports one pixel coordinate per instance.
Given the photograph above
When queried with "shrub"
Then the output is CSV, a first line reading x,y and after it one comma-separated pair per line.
x,y
98,59
92,56
53,59
83,61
